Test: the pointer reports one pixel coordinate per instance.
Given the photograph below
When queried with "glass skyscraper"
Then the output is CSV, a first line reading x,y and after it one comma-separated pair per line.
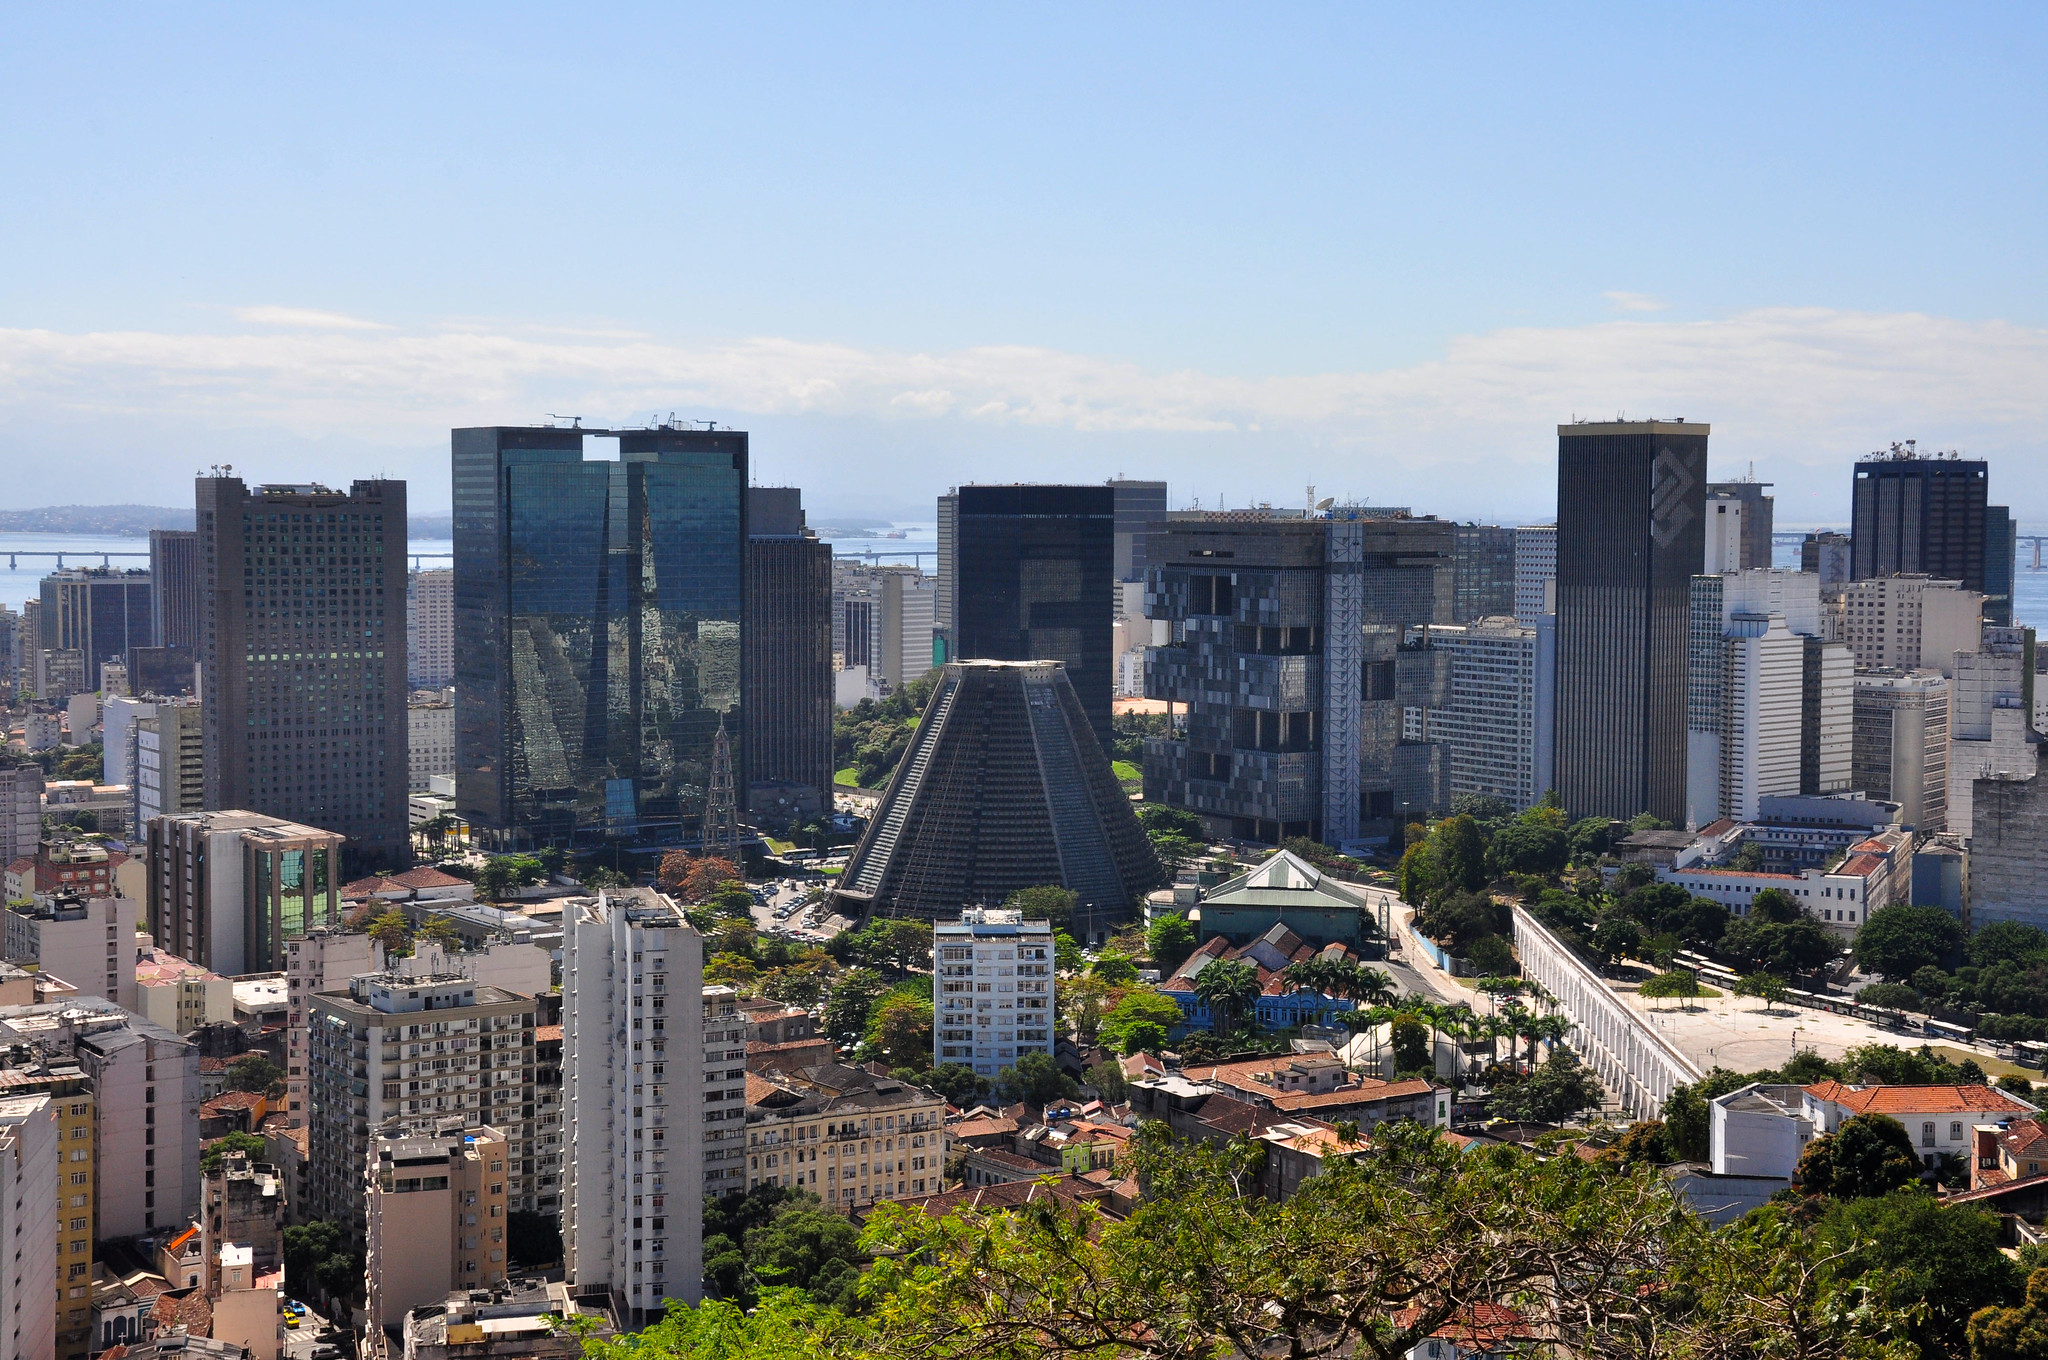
x,y
1035,582
597,629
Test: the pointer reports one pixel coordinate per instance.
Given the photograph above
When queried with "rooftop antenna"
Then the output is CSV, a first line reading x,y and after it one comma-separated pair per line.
x,y
575,422
1311,495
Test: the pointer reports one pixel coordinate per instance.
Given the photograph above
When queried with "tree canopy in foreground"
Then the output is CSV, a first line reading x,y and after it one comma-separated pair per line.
x,y
1366,1259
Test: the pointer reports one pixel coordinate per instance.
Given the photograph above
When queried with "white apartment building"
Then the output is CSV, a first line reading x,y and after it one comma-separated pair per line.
x,y
29,1224
89,942
1770,706
1724,535
725,1092
1901,743
430,627
1535,572
908,602
996,999
430,727
170,765
1909,621
393,1045
321,960
638,1100
1497,726
118,717
1989,720
145,1082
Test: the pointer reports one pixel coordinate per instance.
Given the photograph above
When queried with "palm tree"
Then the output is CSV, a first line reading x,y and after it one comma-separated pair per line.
x,y
1551,1029
1229,989
1314,974
1367,985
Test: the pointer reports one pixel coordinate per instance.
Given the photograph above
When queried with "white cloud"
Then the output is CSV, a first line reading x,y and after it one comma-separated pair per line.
x,y
1794,387
1635,302
301,318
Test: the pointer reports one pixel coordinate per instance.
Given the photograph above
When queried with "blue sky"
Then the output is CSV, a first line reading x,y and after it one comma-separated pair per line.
x,y
1243,248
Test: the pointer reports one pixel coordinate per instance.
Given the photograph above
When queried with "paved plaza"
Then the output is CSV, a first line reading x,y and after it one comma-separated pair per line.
x,y
1732,1032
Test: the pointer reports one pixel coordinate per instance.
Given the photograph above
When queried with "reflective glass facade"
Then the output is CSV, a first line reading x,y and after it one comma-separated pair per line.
x,y
597,629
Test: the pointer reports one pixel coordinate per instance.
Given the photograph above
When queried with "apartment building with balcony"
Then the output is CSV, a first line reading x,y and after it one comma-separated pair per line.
x,y
995,998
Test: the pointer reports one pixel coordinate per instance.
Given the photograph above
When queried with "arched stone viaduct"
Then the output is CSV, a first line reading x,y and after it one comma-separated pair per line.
x,y
1631,1059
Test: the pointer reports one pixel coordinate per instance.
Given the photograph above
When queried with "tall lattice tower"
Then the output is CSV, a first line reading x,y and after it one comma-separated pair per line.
x,y
721,805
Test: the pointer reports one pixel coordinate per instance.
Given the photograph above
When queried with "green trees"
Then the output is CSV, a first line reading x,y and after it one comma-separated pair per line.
x,y
1937,1264
1492,954
1553,1093
853,996
248,1144
1768,988
1170,939
502,873
254,1072
1114,968
899,1027
1897,941
1036,1080
1046,902
1457,848
317,1261
1869,1155
1229,989
1527,848
1787,948
1140,1006
1410,1038
771,1236
1679,984
393,932
2019,1333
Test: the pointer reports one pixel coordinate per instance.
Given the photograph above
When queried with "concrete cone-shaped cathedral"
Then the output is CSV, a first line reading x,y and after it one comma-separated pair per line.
x,y
1004,787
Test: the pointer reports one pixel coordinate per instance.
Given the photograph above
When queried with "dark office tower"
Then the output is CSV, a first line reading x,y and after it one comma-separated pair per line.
x,y
945,579
1631,514
302,657
99,612
787,661
1483,576
1005,787
1757,508
2001,551
597,630
1036,583
1913,515
1825,553
1140,513
174,586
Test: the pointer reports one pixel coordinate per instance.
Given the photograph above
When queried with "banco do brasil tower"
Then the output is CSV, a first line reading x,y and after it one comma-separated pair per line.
x,y
597,630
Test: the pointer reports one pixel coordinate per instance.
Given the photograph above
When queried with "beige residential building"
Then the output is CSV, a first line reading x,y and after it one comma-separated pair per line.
x,y
89,942
33,1071
390,1045
321,960
844,1134
437,1204
1909,621
247,1304
181,996
227,889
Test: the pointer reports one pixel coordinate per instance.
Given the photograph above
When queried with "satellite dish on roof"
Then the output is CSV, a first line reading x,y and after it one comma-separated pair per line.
x,y
1326,502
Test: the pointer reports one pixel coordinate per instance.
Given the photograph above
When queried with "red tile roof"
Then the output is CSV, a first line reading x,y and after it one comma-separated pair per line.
x,y
1862,866
1482,1326
231,1100
1964,1099
426,877
547,1033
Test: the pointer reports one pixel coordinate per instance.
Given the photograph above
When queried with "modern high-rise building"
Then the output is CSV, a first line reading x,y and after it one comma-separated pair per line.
x,y
1723,534
303,605
1909,621
1535,572
1757,521
1499,718
1827,554
634,1090
1004,787
1769,703
725,1093
2001,559
1035,582
1304,710
1631,501
2007,865
1483,572
430,627
1919,515
993,973
905,601
227,889
176,585
945,579
597,630
786,737
97,612
1901,744
1140,509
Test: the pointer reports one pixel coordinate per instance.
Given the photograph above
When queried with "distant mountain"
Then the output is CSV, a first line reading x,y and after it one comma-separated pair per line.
x,y
135,521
